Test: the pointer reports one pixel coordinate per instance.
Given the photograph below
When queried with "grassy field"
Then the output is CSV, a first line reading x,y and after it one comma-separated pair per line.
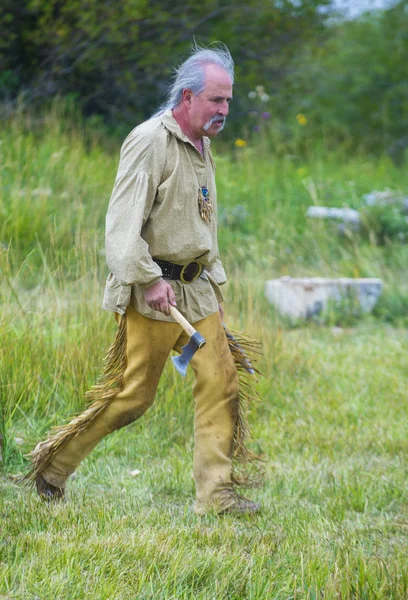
x,y
332,420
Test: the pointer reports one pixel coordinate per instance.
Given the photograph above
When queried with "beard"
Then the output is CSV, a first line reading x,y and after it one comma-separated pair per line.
x,y
215,119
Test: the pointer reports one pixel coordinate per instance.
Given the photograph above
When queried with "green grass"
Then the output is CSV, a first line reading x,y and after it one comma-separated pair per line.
x,y
332,420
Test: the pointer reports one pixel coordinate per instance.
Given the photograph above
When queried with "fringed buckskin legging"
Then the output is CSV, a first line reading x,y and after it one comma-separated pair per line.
x,y
216,390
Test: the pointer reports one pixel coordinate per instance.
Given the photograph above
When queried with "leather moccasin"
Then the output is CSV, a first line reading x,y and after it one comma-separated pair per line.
x,y
241,506
47,491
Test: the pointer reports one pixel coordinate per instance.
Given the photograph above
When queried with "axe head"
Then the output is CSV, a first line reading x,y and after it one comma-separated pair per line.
x,y
181,362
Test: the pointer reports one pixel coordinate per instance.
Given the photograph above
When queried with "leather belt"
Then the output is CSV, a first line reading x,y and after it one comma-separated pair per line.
x,y
185,273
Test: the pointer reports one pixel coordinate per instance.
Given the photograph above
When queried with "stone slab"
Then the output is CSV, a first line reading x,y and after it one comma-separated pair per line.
x,y
302,298
347,215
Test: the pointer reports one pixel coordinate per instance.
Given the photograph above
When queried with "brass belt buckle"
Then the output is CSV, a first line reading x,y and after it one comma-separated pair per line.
x,y
191,272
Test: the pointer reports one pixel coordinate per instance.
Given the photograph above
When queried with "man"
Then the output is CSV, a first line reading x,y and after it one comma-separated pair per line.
x,y
161,248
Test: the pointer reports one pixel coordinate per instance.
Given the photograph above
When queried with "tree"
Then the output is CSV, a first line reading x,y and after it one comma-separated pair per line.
x,y
117,58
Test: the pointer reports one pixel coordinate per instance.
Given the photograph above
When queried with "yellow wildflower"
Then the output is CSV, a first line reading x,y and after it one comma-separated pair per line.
x,y
302,171
301,119
240,143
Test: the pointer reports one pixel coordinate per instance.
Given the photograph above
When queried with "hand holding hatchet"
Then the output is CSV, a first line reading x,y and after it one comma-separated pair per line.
x,y
160,296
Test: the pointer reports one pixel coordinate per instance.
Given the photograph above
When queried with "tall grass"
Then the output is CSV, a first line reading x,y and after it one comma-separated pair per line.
x,y
332,420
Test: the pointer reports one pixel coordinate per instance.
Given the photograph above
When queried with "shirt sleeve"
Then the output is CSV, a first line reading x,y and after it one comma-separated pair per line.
x,y
139,173
217,272
217,277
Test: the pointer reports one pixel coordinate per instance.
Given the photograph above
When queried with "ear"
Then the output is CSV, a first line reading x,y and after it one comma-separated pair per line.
x,y
187,94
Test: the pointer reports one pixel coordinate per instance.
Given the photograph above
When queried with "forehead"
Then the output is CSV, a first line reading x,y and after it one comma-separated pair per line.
x,y
217,82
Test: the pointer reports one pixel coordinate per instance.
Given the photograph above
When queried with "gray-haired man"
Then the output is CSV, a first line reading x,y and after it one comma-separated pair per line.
x,y
161,248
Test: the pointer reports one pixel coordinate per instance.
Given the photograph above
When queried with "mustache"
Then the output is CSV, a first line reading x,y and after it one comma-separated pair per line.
x,y
215,119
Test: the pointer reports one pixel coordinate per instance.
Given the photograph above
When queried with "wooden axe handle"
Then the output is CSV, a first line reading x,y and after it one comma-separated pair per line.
x,y
189,329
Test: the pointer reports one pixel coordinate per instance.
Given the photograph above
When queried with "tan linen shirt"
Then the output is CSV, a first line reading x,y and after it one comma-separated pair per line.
x,y
154,212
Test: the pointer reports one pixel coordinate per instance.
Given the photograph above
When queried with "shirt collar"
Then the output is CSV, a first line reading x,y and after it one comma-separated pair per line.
x,y
171,124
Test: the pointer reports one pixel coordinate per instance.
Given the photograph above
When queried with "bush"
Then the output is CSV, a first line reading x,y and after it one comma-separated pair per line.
x,y
385,223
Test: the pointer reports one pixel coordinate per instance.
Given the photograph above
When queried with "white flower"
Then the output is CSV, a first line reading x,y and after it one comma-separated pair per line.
x,y
264,97
252,95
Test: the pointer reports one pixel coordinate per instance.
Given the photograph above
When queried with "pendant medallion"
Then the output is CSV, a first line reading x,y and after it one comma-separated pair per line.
x,y
204,203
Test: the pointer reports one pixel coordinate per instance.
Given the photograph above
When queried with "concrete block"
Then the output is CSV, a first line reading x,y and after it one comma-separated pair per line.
x,y
302,298
346,215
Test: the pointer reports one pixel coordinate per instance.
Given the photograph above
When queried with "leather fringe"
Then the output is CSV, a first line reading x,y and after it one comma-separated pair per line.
x,y
246,469
107,386
111,382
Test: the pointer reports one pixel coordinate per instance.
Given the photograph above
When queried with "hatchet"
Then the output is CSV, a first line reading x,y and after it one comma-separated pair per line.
x,y
196,342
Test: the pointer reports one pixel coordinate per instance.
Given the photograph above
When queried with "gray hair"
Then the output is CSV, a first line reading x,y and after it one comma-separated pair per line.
x,y
191,74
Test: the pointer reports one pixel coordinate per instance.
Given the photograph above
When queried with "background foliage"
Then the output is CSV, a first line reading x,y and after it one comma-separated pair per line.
x,y
116,56
355,85
347,77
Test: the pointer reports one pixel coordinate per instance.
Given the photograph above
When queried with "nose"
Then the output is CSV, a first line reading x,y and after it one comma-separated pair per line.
x,y
224,109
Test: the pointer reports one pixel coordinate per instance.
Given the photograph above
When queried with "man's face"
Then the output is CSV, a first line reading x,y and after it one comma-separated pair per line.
x,y
209,109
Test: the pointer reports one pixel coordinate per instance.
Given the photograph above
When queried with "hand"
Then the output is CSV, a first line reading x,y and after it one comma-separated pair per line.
x,y
221,312
159,296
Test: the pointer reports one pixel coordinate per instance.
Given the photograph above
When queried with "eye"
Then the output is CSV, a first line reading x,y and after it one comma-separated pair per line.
x,y
220,100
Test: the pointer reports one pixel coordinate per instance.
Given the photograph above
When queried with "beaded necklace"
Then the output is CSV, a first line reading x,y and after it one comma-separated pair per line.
x,y
204,201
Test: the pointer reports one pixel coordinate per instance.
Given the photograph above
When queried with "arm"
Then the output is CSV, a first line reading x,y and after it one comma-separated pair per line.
x,y
133,195
127,254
